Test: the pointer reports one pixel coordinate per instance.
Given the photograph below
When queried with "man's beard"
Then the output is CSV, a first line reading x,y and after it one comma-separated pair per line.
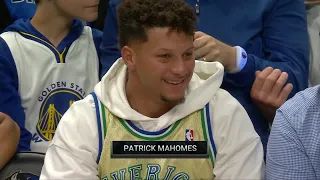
x,y
173,102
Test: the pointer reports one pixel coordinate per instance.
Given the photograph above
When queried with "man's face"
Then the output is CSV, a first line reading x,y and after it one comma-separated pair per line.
x,y
164,64
83,9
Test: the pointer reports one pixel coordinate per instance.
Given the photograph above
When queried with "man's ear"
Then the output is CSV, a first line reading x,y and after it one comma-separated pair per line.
x,y
129,57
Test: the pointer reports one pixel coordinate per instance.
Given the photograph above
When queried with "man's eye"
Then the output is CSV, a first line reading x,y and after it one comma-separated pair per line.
x,y
166,56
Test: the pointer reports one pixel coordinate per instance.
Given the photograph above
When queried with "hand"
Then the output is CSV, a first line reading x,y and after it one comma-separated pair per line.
x,y
269,92
210,49
9,138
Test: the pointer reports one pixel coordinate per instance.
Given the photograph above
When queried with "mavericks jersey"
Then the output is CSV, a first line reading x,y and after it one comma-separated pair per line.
x,y
51,80
112,128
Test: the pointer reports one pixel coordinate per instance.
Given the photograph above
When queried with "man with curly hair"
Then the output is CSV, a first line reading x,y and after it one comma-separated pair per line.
x,y
246,36
153,94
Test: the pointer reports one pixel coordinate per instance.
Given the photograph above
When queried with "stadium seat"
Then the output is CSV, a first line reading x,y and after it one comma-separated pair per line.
x,y
23,166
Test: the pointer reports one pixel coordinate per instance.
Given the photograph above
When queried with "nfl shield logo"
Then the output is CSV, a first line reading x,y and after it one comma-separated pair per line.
x,y
189,135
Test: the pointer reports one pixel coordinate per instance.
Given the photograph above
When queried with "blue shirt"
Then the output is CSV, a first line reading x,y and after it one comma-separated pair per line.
x,y
273,33
294,143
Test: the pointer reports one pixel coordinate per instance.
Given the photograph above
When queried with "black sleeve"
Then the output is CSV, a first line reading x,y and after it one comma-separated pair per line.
x,y
102,13
5,19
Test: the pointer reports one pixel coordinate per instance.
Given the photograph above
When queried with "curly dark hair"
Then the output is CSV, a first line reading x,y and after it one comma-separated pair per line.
x,y
137,16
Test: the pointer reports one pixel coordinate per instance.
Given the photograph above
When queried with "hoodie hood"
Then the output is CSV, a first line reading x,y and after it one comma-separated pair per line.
x,y
206,80
24,26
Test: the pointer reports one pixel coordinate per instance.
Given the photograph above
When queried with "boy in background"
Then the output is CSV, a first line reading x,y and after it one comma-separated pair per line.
x,y
46,64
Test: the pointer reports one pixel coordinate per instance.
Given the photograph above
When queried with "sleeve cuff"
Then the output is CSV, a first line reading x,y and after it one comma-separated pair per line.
x,y
241,60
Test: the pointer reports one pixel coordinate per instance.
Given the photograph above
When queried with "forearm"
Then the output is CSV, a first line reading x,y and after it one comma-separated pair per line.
x,y
9,140
283,45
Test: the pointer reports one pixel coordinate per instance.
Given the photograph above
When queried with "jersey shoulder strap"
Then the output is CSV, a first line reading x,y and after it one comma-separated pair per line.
x,y
101,123
207,133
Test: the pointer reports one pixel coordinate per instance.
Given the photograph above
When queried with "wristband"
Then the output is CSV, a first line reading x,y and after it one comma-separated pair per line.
x,y
241,60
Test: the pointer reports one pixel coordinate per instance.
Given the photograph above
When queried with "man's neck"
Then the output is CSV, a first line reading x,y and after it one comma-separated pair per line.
x,y
51,24
143,103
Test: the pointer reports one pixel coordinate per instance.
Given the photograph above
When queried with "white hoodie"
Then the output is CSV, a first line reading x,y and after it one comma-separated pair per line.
x,y
74,149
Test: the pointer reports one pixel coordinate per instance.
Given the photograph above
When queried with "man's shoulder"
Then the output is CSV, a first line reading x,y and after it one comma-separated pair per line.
x,y
87,102
81,113
225,98
302,102
227,109
80,107
302,111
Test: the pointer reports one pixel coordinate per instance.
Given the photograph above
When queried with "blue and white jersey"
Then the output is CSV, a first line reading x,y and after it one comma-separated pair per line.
x,y
39,82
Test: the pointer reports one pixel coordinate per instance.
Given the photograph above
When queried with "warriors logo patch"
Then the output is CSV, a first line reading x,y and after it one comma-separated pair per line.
x,y
56,103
